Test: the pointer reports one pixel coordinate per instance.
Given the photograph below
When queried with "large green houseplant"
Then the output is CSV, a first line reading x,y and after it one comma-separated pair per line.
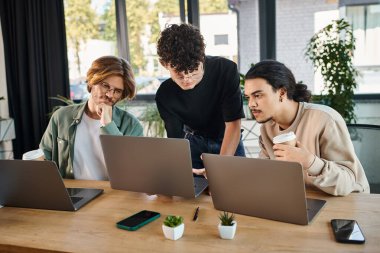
x,y
331,50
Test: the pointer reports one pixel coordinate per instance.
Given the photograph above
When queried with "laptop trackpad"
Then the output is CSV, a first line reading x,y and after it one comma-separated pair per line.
x,y
313,207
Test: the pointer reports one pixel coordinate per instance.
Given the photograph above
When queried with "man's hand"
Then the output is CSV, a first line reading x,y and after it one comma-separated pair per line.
x,y
298,154
201,172
105,113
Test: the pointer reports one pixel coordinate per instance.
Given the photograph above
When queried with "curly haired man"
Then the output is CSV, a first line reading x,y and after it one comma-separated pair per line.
x,y
202,100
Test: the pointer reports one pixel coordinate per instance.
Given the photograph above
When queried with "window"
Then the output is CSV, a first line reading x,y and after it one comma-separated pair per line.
x,y
365,22
218,25
146,19
90,33
221,39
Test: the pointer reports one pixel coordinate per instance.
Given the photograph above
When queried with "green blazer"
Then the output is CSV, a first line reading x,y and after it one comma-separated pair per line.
x,y
59,137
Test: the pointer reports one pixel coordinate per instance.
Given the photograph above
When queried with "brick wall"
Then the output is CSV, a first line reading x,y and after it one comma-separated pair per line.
x,y
249,47
294,28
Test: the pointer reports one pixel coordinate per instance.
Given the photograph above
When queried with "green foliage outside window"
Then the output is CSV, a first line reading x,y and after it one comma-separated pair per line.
x,y
81,25
84,23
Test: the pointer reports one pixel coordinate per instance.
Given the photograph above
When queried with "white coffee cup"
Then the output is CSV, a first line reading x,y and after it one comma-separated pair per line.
x,y
37,154
287,138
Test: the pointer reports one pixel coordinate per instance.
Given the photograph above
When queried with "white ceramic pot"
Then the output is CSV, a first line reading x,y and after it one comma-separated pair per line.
x,y
173,233
227,232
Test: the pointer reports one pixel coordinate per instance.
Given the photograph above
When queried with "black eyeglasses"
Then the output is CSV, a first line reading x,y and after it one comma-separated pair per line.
x,y
105,87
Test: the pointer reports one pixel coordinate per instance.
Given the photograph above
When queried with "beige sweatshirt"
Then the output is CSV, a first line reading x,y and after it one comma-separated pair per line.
x,y
336,168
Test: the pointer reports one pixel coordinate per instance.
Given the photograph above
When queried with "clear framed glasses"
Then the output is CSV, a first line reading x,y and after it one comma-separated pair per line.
x,y
106,88
193,76
190,77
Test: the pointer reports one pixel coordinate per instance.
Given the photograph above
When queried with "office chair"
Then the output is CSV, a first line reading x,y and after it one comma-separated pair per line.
x,y
366,140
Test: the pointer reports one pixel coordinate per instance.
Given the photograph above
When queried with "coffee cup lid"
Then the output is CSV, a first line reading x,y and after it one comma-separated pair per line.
x,y
284,137
32,155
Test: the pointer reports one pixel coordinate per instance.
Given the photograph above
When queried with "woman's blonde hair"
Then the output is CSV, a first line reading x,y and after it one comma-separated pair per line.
x,y
107,66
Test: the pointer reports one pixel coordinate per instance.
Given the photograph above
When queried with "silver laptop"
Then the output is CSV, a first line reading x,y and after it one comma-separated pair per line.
x,y
38,184
151,165
259,187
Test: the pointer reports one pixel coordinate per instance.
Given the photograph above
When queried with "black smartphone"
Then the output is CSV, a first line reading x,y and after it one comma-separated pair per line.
x,y
137,220
347,231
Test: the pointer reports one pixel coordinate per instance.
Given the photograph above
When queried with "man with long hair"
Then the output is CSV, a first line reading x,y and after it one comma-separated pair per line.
x,y
323,147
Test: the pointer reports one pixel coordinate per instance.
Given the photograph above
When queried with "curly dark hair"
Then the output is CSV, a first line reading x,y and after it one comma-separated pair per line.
x,y
181,46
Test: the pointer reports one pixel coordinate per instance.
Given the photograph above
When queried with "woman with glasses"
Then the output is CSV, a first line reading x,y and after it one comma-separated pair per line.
x,y
202,100
72,136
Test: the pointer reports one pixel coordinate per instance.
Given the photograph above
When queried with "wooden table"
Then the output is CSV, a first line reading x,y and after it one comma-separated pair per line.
x,y
92,228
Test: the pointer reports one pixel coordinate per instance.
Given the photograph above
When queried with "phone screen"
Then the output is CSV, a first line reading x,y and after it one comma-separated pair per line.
x,y
137,220
347,231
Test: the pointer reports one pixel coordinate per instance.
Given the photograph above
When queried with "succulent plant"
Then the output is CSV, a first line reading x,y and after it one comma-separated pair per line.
x,y
226,218
173,221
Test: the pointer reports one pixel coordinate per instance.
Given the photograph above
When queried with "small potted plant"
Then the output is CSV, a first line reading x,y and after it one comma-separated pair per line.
x,y
227,225
173,227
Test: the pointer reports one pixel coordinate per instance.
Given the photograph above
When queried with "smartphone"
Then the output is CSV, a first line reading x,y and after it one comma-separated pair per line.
x,y
347,231
137,220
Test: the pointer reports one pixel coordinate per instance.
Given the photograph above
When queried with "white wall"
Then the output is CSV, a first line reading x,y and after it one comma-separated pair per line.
x,y
220,24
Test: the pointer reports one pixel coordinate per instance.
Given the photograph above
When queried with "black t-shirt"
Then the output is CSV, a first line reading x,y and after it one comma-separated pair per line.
x,y
205,108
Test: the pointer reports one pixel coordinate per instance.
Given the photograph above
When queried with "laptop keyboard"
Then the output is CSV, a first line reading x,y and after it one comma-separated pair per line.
x,y
73,191
200,182
75,199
